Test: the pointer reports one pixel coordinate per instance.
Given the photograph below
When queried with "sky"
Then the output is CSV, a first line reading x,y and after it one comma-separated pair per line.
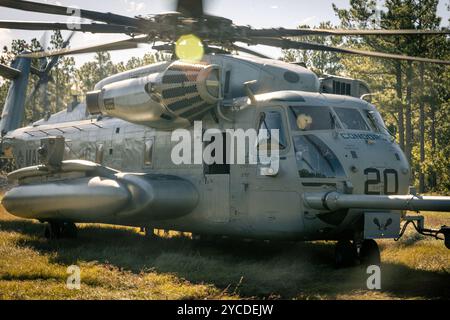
x,y
256,13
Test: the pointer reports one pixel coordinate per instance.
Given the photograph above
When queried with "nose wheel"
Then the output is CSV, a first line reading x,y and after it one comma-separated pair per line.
x,y
149,233
345,254
348,255
369,253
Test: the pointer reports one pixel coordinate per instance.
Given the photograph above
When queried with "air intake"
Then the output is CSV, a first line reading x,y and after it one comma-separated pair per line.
x,y
189,90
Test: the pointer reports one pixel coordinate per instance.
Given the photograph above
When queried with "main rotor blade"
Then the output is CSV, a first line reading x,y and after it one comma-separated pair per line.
x,y
68,11
289,44
131,43
249,51
340,32
190,8
82,27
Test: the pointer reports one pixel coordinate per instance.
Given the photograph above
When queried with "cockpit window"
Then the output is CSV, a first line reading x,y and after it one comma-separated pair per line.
x,y
376,122
351,119
315,159
372,120
305,118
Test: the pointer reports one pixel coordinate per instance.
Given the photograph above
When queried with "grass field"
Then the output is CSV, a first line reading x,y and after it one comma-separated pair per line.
x,y
120,263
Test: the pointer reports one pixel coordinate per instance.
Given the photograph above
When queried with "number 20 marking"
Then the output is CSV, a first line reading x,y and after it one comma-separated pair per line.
x,y
376,181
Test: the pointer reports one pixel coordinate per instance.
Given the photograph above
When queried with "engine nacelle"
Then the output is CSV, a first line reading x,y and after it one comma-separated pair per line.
x,y
175,98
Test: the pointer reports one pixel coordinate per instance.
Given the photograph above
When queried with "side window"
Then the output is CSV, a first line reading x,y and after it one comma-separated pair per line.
x,y
273,120
376,122
148,153
370,116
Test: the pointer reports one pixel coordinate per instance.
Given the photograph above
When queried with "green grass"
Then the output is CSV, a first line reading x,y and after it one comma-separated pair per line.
x,y
120,263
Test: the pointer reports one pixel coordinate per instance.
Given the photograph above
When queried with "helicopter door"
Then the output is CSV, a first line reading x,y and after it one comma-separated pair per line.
x,y
275,200
272,119
217,187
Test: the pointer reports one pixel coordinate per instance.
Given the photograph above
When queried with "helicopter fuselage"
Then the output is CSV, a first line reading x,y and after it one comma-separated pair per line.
x,y
343,147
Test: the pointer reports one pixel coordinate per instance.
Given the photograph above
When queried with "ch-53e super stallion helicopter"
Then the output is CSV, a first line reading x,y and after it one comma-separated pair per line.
x,y
341,175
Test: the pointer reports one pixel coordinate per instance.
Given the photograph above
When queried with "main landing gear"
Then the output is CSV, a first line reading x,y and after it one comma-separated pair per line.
x,y
149,233
59,230
348,253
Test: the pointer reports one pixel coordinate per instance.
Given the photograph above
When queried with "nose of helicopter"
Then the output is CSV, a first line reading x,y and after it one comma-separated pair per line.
x,y
373,163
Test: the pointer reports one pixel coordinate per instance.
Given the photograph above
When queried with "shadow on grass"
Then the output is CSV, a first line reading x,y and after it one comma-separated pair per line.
x,y
275,270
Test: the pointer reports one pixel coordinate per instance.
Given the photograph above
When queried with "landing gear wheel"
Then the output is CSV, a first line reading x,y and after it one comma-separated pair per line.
x,y
149,233
52,231
57,230
345,254
369,253
69,230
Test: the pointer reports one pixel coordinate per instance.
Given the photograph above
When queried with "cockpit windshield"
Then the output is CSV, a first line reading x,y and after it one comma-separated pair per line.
x,y
315,159
351,119
305,118
319,118
376,122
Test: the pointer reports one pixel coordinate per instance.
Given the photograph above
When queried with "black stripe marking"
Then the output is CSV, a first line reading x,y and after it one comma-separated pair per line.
x,y
185,103
175,78
200,109
177,92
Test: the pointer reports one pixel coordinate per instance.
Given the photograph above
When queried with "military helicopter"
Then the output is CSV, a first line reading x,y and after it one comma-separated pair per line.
x,y
334,170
